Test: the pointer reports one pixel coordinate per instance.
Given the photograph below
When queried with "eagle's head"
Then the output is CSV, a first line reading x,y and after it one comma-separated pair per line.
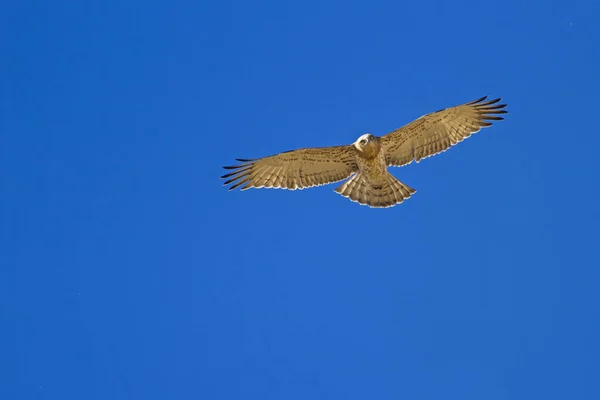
x,y
368,145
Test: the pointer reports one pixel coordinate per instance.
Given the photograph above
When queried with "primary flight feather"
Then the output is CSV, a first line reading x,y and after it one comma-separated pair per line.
x,y
367,159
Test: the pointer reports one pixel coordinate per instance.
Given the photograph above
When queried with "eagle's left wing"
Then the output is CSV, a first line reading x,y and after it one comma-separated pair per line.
x,y
296,169
436,132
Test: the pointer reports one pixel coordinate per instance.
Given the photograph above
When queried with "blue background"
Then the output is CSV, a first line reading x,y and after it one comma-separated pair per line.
x,y
128,272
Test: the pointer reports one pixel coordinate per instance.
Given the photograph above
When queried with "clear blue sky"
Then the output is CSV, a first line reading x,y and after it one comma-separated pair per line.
x,y
128,272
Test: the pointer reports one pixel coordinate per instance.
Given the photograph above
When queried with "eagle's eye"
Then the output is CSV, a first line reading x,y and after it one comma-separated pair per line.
x,y
363,142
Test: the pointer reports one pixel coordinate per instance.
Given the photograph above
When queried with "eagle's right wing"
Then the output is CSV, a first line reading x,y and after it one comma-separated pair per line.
x,y
295,169
437,131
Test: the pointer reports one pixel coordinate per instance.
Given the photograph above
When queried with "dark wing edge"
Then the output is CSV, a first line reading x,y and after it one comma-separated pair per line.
x,y
241,171
488,110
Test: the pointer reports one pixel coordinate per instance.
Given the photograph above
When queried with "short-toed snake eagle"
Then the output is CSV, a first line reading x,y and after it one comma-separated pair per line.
x,y
367,159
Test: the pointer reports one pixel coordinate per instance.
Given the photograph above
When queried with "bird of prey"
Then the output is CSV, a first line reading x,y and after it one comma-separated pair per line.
x,y
367,159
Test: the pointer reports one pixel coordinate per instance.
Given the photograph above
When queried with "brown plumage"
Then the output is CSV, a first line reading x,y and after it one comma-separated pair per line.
x,y
368,157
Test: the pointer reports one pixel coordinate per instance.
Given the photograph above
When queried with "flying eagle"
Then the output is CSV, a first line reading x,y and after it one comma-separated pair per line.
x,y
367,159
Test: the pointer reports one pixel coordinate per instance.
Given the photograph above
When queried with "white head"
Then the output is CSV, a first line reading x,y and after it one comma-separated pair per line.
x,y
363,141
368,145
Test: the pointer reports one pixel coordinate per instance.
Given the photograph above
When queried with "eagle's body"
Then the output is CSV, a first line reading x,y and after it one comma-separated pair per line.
x,y
367,159
373,184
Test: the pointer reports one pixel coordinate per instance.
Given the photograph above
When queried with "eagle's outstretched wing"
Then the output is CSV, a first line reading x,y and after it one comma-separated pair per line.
x,y
295,169
436,132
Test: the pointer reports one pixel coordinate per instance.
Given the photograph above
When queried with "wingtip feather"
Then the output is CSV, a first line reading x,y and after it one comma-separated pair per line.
x,y
478,100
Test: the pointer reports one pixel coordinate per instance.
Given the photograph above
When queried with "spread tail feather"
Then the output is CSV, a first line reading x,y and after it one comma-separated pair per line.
x,y
387,192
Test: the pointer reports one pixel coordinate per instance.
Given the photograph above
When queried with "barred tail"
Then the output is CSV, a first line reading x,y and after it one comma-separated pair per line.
x,y
387,192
